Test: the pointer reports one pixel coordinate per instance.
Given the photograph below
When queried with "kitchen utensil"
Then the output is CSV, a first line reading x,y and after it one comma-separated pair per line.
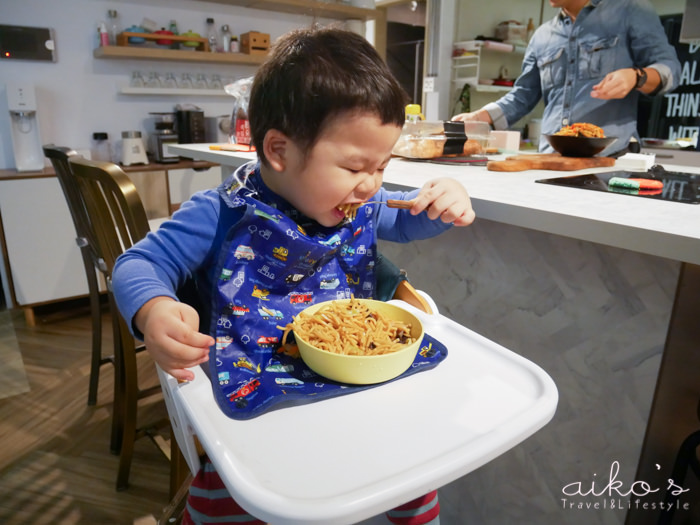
x,y
164,42
136,39
133,151
190,126
579,146
394,203
164,134
548,161
363,369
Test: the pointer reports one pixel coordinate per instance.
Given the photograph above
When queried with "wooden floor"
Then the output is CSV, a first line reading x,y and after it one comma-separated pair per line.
x,y
55,463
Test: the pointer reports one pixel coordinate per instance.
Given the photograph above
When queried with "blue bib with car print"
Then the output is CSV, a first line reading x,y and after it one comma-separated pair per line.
x,y
273,264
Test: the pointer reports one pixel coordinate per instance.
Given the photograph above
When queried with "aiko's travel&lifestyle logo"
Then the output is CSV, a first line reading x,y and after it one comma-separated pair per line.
x,y
613,494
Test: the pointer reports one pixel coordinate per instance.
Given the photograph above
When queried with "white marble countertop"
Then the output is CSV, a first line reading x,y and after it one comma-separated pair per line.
x,y
656,227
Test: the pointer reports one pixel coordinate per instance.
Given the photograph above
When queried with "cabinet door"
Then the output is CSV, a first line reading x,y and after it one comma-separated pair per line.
x,y
184,183
44,260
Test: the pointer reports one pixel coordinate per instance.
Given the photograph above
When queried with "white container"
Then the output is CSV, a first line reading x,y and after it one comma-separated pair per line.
x,y
133,150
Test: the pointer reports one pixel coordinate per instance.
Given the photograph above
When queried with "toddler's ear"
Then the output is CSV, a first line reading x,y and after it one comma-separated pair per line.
x,y
275,146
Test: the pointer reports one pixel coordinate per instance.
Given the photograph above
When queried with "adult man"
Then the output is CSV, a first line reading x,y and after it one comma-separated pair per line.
x,y
589,64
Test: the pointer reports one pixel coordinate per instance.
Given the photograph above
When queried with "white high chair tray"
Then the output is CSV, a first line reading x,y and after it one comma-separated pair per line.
x,y
341,460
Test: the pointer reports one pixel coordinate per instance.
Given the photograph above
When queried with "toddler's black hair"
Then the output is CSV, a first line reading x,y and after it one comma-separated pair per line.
x,y
315,75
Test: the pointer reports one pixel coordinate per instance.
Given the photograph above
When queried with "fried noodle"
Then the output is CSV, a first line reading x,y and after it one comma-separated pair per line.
x,y
582,129
350,210
350,328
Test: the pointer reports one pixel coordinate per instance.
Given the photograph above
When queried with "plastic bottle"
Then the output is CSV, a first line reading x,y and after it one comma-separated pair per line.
x,y
413,113
239,130
101,150
173,28
211,35
113,26
103,34
225,38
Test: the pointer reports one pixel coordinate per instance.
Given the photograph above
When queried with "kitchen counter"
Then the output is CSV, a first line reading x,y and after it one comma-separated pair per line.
x,y
665,229
602,291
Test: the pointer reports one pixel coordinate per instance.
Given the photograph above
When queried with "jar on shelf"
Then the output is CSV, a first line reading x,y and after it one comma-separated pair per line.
x,y
234,46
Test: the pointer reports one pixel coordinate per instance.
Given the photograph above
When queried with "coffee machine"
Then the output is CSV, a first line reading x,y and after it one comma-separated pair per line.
x,y
164,134
24,123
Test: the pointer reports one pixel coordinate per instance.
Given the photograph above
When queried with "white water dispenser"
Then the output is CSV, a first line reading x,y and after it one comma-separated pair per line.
x,y
24,123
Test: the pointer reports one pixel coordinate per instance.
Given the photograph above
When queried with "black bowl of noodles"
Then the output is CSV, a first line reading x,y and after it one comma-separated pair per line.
x,y
580,139
357,341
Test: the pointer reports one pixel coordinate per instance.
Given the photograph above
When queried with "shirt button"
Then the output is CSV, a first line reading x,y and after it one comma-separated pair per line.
x,y
565,121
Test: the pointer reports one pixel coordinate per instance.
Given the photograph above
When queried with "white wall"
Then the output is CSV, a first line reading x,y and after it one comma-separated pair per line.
x,y
78,94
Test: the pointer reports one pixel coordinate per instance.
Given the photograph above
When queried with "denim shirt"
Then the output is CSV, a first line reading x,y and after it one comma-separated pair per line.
x,y
564,60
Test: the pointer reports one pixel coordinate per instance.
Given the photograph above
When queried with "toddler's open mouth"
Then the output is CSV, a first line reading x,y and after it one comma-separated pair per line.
x,y
350,209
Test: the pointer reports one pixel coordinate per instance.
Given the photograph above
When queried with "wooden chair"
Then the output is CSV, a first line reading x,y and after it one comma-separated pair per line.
x,y
117,220
93,263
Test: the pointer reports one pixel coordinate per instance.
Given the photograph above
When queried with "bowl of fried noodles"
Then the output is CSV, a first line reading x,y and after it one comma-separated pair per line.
x,y
357,341
580,140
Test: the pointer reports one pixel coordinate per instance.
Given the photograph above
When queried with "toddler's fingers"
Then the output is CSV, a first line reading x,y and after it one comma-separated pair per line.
x,y
181,374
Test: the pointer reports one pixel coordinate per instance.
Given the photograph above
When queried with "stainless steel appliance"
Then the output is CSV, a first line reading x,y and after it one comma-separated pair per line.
x,y
163,135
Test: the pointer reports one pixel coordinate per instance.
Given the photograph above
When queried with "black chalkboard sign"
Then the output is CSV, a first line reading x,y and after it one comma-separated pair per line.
x,y
676,114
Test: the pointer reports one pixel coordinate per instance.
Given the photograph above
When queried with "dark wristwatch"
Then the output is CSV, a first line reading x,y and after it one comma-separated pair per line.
x,y
641,77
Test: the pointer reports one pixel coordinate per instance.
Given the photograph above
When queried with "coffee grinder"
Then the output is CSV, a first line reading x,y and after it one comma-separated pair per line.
x,y
164,134
24,123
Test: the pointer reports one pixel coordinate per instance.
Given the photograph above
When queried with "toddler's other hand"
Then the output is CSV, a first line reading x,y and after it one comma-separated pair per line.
x,y
170,330
446,199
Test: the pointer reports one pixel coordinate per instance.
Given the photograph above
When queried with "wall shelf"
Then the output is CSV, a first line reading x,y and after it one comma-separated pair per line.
x,y
128,90
176,55
467,65
306,7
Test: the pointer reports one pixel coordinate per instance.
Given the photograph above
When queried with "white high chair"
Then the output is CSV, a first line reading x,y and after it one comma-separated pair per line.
x,y
345,459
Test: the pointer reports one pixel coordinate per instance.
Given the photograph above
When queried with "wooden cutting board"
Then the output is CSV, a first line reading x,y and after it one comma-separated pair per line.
x,y
548,161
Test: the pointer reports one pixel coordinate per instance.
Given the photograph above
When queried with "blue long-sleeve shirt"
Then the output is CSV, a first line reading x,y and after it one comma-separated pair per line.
x,y
564,60
188,246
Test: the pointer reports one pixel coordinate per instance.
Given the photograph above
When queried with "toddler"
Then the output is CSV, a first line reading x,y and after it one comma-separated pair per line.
x,y
325,113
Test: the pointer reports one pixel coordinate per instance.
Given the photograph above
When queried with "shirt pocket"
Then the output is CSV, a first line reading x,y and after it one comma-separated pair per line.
x,y
552,69
597,58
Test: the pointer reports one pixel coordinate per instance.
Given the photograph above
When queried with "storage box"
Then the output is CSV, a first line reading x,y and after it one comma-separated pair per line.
x,y
253,43
511,32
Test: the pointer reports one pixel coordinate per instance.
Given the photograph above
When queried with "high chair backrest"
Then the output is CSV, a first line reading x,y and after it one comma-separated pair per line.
x,y
113,205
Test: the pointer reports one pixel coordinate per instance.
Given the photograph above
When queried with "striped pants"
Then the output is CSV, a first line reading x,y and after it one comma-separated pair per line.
x,y
210,502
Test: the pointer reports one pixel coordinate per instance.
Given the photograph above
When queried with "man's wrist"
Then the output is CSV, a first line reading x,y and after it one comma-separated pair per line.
x,y
641,77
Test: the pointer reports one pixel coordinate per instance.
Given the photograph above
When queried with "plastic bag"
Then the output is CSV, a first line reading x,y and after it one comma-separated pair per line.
x,y
239,131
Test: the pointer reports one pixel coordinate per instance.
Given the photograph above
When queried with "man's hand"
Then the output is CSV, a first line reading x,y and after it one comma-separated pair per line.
x,y
480,115
616,84
170,330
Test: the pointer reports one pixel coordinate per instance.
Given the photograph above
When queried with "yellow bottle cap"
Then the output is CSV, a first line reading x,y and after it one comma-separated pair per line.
x,y
413,109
